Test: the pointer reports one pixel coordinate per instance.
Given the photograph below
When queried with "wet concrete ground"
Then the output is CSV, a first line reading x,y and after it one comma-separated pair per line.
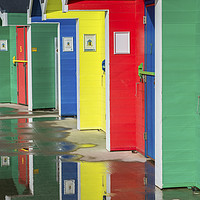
x,y
46,158
14,111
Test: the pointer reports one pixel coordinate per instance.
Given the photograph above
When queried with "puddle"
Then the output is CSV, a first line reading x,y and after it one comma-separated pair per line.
x,y
41,159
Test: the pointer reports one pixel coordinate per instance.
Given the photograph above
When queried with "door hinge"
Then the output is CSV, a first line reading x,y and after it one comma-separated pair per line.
x,y
145,180
144,20
145,135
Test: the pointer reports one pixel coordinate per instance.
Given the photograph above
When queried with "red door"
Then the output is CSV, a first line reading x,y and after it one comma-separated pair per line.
x,y
22,71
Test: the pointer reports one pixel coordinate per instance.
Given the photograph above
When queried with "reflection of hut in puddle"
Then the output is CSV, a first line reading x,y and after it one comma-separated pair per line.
x,y
15,177
83,180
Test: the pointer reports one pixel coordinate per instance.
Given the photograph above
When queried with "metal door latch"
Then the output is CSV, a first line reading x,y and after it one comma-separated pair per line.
x,y
144,20
145,135
141,73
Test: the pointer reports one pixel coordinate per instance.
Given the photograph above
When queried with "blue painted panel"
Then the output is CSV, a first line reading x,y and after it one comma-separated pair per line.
x,y
70,172
36,9
68,66
150,84
68,71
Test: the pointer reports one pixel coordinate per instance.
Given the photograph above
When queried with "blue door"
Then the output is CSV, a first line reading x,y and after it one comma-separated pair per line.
x,y
150,80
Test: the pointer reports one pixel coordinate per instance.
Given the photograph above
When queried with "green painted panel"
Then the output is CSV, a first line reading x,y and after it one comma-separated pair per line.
x,y
43,65
17,19
13,69
4,68
181,88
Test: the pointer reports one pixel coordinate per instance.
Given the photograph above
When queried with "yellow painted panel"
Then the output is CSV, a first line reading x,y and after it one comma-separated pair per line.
x,y
53,5
92,78
93,180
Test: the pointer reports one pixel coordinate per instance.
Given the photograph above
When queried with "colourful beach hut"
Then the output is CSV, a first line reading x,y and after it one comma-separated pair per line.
x,y
177,93
26,81
13,83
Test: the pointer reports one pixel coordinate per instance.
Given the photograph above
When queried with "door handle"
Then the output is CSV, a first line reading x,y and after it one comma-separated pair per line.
x,y
19,61
141,72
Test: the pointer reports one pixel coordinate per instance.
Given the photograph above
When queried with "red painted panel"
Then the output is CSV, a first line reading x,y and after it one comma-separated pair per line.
x,y
22,71
126,104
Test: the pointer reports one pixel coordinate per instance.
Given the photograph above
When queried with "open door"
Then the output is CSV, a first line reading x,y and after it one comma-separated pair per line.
x,y
150,80
22,71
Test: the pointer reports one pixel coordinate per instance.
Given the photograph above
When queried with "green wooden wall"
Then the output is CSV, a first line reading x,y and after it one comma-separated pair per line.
x,y
181,88
43,65
13,69
5,68
17,19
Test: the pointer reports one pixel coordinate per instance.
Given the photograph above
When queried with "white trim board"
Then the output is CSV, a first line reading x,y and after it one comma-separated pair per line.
x,y
158,94
77,74
4,18
59,67
107,62
64,6
44,8
29,12
29,49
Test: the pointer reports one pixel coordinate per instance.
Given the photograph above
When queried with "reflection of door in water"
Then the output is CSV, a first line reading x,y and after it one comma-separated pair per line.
x,y
23,160
150,80
22,71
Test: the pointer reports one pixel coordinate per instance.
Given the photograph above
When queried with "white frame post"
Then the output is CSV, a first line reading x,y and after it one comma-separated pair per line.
x,y
59,67
107,63
158,94
78,74
29,46
4,18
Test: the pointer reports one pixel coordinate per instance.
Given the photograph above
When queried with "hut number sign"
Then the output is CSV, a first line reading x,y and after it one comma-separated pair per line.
x,y
68,44
90,42
3,45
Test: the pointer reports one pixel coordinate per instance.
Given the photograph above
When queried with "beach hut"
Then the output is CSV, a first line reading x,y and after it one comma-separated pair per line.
x,y
24,80
13,42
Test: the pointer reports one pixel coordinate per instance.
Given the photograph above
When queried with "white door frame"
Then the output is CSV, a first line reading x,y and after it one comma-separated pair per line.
x,y
78,74
29,46
158,94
